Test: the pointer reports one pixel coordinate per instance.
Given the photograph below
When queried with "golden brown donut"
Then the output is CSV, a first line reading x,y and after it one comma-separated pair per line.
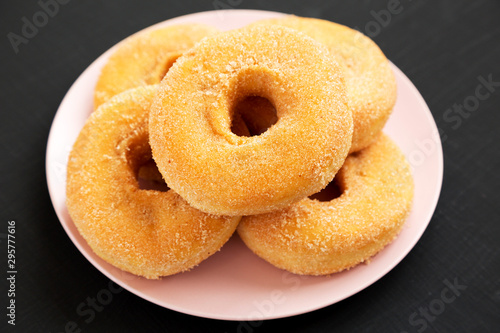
x,y
322,237
220,172
145,58
371,86
145,232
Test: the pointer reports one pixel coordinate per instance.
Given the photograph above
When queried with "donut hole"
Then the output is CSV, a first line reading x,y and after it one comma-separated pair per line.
x,y
142,165
253,115
252,106
332,191
150,178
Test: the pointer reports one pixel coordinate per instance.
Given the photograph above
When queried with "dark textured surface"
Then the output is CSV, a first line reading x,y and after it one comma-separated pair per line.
x,y
442,46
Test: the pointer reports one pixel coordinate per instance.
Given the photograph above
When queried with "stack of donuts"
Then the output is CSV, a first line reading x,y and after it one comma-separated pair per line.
x,y
273,130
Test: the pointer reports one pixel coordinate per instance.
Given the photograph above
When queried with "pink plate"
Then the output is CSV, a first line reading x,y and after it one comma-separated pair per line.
x,y
234,284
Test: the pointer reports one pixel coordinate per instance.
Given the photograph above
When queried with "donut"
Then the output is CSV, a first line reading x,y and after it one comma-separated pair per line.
x,y
324,235
220,172
149,233
370,82
144,58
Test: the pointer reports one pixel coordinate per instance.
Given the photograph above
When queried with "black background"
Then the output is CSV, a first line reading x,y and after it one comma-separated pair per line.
x,y
442,46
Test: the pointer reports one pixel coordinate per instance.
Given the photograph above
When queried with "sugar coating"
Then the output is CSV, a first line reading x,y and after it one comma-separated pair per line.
x,y
220,172
371,85
145,232
319,238
144,58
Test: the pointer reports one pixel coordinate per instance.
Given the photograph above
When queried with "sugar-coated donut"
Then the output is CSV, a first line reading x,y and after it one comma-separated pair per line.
x,y
145,232
321,237
371,85
144,58
220,172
